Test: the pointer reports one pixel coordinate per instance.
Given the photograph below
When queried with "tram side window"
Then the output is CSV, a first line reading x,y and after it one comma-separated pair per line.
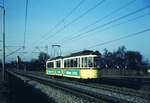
x,y
50,65
75,62
78,62
58,64
71,62
66,63
90,62
84,62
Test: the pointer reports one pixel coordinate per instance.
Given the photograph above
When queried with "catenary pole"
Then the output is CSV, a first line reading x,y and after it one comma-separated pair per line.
x,y
3,60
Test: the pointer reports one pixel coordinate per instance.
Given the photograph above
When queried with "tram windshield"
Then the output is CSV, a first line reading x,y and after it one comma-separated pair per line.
x,y
97,62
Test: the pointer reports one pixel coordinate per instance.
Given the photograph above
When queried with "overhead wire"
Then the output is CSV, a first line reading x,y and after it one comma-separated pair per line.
x,y
76,19
120,38
99,20
80,16
14,52
112,26
115,40
13,46
24,39
62,20
112,21
69,14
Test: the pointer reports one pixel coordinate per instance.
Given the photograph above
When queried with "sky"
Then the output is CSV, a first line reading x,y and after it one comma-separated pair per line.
x,y
76,25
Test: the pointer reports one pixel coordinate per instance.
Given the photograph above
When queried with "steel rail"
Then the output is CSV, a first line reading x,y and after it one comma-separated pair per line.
x,y
124,90
90,95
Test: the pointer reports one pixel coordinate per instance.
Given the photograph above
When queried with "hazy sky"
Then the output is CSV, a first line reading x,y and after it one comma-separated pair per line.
x,y
76,25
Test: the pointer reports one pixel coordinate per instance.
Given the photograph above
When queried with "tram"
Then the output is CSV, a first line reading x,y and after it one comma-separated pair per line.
x,y
83,65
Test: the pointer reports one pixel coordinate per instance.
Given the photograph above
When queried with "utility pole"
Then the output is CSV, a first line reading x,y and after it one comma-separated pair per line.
x,y
3,62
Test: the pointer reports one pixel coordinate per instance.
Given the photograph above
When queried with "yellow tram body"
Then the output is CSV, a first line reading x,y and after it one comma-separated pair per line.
x,y
75,66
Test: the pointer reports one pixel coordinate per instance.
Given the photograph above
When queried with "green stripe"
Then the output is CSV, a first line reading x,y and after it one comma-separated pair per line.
x,y
72,72
65,72
58,71
50,71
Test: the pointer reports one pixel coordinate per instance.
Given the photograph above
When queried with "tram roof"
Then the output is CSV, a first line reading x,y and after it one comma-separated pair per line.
x,y
81,53
85,52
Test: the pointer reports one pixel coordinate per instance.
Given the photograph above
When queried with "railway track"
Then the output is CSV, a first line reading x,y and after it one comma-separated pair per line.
x,y
115,89
96,92
60,86
123,90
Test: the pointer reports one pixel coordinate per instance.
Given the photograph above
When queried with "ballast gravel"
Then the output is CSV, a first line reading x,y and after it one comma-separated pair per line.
x,y
56,95
63,97
128,98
